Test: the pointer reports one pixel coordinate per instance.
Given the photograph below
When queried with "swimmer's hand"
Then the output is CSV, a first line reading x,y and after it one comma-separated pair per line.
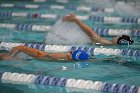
x,y
6,57
70,18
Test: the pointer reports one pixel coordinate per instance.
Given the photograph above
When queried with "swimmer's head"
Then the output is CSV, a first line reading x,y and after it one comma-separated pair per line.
x,y
123,39
79,55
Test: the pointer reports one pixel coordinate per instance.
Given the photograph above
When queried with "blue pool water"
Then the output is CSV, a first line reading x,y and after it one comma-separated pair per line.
x,y
123,71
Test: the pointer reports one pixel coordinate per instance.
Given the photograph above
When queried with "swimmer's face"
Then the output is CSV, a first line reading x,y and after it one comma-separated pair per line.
x,y
115,39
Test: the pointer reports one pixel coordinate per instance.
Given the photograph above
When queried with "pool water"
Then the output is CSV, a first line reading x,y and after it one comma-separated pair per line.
x,y
122,71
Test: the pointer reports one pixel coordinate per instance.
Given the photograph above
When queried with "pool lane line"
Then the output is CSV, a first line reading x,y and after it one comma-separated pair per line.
x,y
27,79
47,28
92,51
105,19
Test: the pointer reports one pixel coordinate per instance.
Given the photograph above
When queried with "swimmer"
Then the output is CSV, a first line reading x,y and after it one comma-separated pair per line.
x,y
37,54
77,55
95,38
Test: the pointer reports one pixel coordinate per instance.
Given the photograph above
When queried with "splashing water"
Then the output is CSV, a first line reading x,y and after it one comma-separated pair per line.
x,y
122,7
66,33
127,9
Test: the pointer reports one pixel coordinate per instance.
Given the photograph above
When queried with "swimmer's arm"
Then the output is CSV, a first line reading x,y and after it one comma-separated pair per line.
x,y
85,28
93,36
104,41
6,57
58,56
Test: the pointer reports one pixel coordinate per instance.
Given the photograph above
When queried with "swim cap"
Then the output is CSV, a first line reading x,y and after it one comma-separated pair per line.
x,y
80,55
124,39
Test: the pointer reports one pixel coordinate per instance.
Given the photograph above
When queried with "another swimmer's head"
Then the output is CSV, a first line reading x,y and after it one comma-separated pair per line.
x,y
123,39
79,55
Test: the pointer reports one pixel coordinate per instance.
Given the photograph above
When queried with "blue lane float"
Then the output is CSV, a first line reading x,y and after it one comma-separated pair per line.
x,y
17,78
104,19
116,32
24,27
90,50
46,28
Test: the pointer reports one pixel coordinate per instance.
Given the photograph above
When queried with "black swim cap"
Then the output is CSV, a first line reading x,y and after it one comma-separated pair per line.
x,y
125,39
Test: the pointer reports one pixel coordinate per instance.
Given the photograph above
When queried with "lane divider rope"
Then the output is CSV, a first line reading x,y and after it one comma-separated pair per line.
x,y
17,78
46,28
26,27
59,7
104,19
59,48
